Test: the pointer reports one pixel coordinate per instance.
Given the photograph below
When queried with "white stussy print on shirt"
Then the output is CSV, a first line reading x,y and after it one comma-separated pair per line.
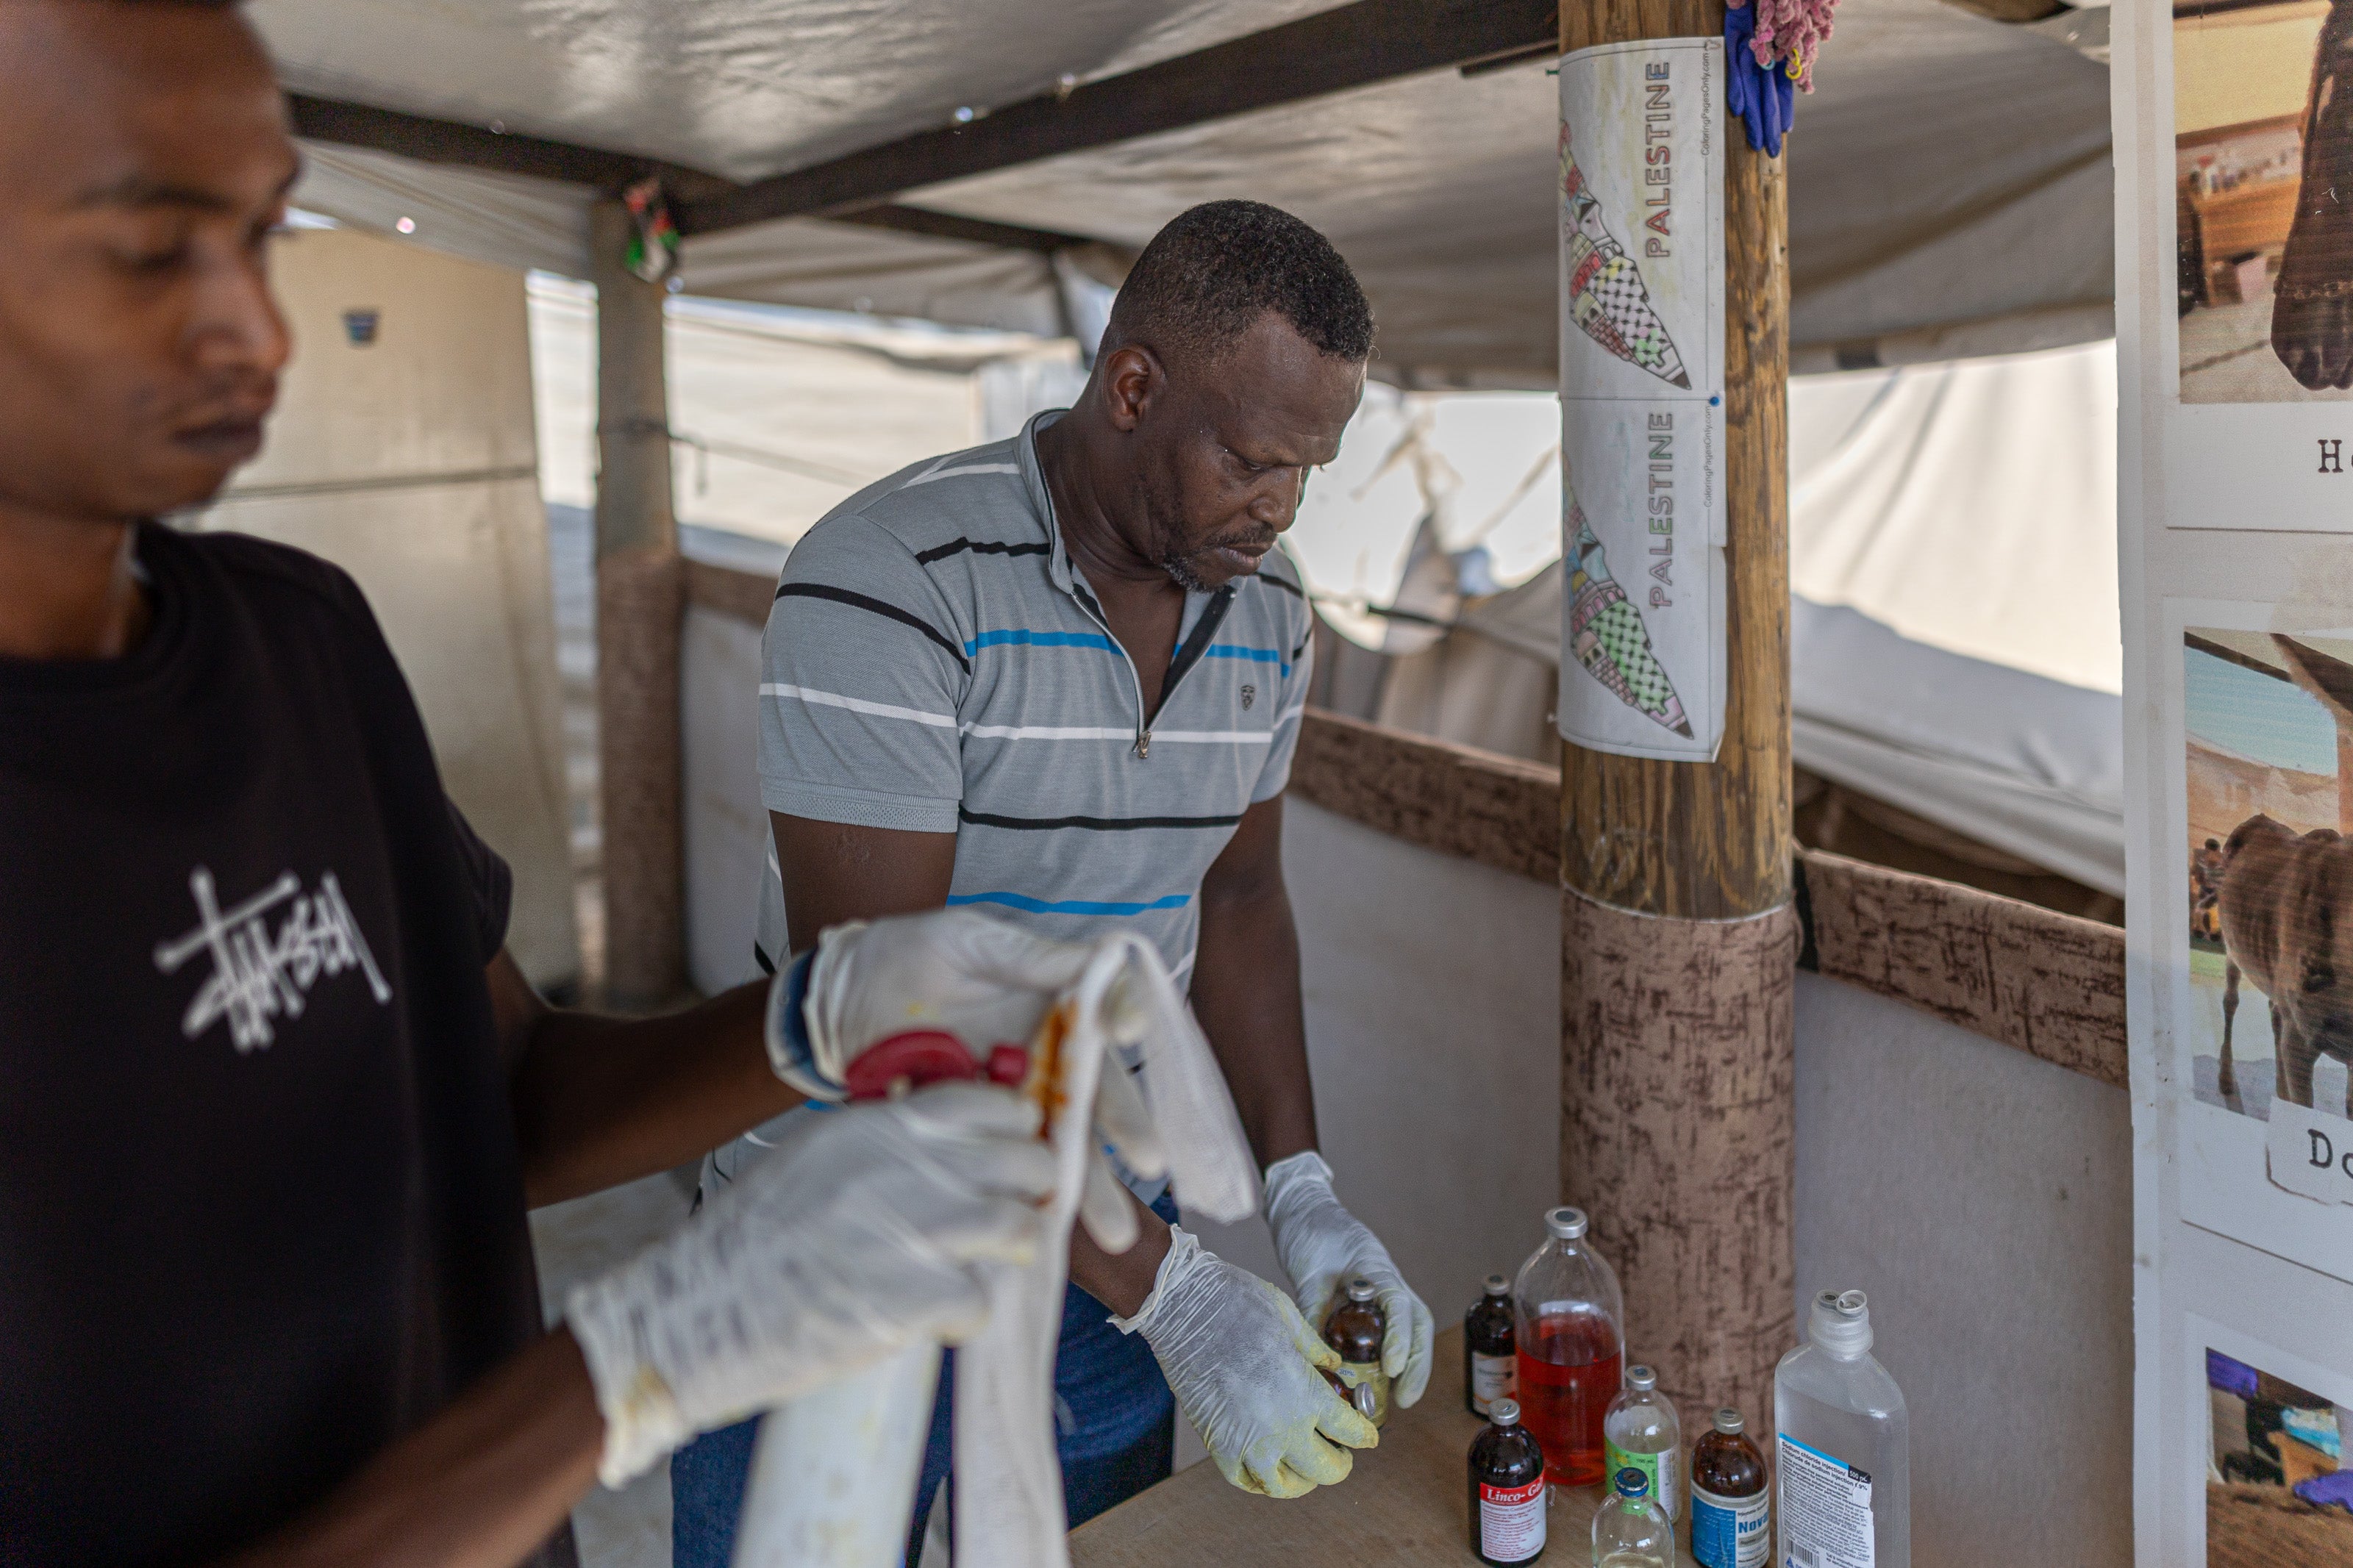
x,y
257,976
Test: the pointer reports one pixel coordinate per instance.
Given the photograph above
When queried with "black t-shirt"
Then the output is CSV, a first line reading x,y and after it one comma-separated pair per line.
x,y
261,1206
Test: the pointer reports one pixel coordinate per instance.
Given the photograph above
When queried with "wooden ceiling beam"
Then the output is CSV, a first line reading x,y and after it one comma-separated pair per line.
x,y
1354,46
507,153
478,147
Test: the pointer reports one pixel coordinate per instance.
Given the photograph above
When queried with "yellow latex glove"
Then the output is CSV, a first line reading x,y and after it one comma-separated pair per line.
x,y
1248,1372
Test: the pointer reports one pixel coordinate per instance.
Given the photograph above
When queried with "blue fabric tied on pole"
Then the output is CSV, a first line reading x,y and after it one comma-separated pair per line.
x,y
1764,97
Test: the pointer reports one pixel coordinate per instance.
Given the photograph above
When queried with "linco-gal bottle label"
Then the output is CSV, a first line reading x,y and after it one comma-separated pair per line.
x,y
1512,1520
1508,1490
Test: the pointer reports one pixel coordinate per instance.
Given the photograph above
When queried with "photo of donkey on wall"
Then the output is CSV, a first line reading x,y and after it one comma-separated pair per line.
x,y
2269,723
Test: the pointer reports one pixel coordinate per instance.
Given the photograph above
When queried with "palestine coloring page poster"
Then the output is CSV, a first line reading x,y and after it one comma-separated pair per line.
x,y
1641,354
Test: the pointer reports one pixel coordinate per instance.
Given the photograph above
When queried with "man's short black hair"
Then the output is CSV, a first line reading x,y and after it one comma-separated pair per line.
x,y
1216,267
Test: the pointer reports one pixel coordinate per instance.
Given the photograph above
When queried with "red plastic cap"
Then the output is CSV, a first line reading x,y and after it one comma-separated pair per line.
x,y
919,1059
1008,1065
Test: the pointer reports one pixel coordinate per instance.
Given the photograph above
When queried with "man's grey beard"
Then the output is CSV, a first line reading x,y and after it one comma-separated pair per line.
x,y
1184,574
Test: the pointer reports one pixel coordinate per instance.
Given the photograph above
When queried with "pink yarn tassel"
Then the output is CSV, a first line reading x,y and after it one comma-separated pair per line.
x,y
1790,33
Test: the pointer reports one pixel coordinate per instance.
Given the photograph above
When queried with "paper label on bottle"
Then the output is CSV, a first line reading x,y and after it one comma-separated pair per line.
x,y
1730,1532
1493,1377
1512,1520
1825,1509
1658,1470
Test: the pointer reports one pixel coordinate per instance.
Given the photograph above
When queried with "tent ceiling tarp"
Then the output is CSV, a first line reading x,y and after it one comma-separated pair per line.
x,y
1949,182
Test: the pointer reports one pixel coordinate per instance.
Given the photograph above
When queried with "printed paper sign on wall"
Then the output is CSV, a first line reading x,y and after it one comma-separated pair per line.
x,y
2234,337
1641,388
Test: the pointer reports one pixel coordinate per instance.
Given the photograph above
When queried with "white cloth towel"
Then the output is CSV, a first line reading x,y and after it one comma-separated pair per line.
x,y
1008,1492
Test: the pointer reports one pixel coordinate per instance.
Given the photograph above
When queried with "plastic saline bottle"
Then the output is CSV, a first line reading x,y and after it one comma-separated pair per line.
x,y
1844,1458
1629,1531
1490,1371
1508,1489
1730,1514
1566,1310
1640,1433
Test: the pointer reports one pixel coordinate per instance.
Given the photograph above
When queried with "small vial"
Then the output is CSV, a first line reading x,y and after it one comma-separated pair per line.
x,y
1629,1531
1355,1330
1508,1489
1730,1514
1490,1366
1640,1433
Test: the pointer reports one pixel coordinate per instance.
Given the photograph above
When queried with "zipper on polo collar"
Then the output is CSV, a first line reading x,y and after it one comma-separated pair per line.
x,y
1187,655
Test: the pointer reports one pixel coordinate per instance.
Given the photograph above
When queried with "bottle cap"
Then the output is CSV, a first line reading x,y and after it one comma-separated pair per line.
x,y
1728,1421
1840,1323
1360,1289
1641,1379
1498,1286
1568,1224
1633,1482
1504,1411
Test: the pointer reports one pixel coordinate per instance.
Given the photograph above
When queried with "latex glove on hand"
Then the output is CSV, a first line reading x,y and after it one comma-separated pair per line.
x,y
865,1231
1323,1246
1248,1372
964,973
1764,96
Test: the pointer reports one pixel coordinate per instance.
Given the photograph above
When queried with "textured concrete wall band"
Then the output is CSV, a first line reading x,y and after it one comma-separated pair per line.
x,y
1677,1135
2050,985
640,602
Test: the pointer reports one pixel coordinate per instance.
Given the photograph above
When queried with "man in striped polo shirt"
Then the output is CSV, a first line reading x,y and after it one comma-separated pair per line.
x,y
1060,678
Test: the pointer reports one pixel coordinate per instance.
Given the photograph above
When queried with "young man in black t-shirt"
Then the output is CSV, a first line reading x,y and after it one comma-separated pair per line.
x,y
273,1098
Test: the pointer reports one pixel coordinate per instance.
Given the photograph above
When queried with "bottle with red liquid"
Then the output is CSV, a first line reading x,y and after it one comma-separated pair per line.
x,y
1568,1320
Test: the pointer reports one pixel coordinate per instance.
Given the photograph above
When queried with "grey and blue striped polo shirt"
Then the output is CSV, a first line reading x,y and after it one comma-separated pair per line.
x,y
935,663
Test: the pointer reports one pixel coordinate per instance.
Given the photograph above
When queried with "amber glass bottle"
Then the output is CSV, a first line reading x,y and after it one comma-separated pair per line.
x,y
1508,1489
1490,1365
1729,1514
1355,1329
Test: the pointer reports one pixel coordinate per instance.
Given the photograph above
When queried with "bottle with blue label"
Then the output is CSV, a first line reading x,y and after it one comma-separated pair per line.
x,y
1843,1467
1731,1514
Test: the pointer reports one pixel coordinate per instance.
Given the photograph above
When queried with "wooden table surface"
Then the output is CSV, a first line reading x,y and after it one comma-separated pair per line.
x,y
1405,1502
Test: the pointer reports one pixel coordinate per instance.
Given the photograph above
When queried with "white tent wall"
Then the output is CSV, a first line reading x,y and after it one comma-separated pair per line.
x,y
410,462
1983,1200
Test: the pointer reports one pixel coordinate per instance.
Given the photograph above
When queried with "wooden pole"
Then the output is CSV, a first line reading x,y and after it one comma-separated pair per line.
x,y
1679,944
640,604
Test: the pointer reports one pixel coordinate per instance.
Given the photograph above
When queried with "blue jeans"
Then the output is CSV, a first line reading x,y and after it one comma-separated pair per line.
x,y
1115,1428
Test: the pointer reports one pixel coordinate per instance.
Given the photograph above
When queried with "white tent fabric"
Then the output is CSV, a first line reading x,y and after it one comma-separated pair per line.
x,y
1971,506
1954,643
2027,765
1948,181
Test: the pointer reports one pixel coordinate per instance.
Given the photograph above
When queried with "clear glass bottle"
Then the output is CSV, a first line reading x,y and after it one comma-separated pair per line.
x,y
1355,1329
1731,1511
1843,1461
1508,1489
1490,1367
1567,1322
1639,1432
1629,1531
